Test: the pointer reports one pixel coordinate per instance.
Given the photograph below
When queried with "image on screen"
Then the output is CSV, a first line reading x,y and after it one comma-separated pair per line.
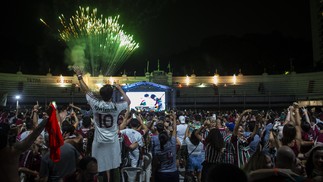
x,y
147,101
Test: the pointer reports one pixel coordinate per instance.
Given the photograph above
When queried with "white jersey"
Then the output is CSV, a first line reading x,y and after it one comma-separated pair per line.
x,y
134,136
105,115
181,130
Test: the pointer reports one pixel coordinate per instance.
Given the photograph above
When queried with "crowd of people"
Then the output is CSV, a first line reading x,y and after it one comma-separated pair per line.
x,y
97,142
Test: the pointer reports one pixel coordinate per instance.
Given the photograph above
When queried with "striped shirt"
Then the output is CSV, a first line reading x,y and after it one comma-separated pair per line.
x,y
241,150
212,155
229,150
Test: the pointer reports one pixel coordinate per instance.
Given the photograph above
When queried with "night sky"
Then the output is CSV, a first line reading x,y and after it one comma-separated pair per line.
x,y
194,36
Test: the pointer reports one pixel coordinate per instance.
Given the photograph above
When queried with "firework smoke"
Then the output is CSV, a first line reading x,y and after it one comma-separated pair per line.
x,y
96,43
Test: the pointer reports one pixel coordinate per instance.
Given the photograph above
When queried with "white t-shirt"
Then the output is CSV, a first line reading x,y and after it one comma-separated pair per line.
x,y
105,115
134,136
181,129
24,135
191,147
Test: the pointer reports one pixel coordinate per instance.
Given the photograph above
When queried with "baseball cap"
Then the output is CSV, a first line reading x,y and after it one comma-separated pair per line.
x,y
181,119
230,126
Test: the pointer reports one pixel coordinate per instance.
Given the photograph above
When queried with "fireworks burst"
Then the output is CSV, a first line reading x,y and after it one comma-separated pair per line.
x,y
96,43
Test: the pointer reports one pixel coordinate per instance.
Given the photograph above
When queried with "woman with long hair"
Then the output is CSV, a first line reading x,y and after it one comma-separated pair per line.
x,y
289,138
213,145
164,154
292,136
194,158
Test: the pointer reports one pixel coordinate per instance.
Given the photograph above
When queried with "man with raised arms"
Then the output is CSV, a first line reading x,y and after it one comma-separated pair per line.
x,y
105,147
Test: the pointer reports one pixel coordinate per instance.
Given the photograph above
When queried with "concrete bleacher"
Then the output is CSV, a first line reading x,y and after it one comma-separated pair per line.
x,y
292,84
200,90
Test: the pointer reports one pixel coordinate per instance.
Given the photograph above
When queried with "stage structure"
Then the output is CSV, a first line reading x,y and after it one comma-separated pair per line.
x,y
149,96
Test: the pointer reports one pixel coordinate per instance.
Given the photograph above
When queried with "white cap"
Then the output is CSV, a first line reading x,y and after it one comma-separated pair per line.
x,y
182,119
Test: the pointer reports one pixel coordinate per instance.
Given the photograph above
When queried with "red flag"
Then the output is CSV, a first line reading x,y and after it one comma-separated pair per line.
x,y
55,136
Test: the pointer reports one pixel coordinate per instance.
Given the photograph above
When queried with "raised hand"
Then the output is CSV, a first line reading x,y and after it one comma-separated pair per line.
x,y
77,70
127,113
117,86
296,106
246,111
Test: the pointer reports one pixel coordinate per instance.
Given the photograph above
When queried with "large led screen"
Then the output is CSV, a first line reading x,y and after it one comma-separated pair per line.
x,y
147,101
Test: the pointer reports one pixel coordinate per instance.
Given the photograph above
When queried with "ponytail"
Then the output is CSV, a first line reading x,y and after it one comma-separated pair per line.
x,y
163,138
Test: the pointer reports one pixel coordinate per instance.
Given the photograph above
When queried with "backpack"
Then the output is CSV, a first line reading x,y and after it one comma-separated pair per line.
x,y
125,150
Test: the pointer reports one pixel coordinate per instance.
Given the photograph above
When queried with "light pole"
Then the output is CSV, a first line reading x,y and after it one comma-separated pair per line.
x,y
17,98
